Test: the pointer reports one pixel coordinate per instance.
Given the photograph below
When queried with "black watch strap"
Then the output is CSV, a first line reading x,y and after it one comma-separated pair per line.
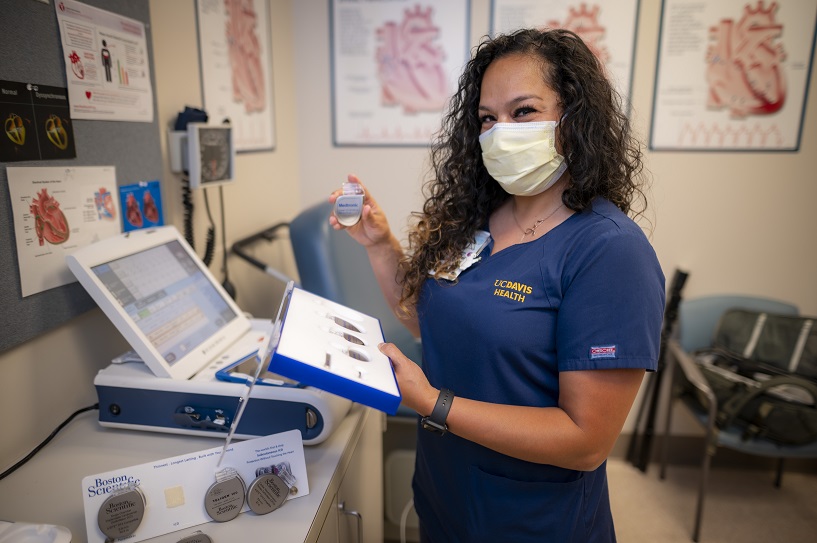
x,y
436,421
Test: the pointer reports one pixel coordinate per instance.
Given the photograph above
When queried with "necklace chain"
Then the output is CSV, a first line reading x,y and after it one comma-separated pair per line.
x,y
532,230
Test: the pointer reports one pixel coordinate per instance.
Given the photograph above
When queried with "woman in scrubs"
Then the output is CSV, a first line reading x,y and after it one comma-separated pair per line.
x,y
538,299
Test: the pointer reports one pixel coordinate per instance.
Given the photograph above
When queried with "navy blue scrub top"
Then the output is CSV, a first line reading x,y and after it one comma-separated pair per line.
x,y
589,294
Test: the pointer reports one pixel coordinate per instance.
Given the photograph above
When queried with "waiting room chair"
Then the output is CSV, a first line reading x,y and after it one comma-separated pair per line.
x,y
697,323
333,265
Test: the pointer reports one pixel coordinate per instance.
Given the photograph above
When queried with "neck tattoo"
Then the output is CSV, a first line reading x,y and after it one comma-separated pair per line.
x,y
532,230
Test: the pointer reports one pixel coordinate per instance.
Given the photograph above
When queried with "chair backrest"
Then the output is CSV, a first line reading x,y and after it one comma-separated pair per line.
x,y
333,265
698,317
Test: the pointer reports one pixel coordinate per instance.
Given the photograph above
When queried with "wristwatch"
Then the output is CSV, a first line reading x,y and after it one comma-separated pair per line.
x,y
435,422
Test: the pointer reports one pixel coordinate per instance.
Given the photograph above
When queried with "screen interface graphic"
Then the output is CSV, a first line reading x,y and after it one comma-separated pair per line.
x,y
167,297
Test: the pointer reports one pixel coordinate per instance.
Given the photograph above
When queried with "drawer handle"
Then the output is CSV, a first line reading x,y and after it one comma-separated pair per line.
x,y
358,516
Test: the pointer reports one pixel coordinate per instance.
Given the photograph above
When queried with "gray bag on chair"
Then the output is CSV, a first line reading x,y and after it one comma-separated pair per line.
x,y
763,370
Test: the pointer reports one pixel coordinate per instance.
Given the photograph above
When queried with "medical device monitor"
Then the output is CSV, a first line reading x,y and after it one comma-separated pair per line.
x,y
161,297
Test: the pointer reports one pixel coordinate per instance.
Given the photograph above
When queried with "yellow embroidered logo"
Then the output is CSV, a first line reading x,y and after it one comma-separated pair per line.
x,y
511,289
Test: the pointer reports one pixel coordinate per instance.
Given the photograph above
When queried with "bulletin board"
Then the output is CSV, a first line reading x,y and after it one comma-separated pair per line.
x,y
32,50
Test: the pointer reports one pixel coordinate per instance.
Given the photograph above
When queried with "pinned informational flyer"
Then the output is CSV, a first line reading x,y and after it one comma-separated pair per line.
x,y
57,210
142,203
164,496
37,122
106,64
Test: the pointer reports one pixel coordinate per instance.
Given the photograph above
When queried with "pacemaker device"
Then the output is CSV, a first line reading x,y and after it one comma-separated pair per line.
x,y
189,339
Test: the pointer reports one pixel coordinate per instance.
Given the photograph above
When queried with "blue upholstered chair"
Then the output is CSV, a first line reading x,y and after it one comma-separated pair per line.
x,y
697,322
333,265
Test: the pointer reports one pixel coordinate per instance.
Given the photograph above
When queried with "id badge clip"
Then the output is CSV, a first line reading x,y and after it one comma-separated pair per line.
x,y
469,256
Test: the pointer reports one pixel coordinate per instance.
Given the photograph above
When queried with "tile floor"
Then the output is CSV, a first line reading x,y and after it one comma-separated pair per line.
x,y
741,505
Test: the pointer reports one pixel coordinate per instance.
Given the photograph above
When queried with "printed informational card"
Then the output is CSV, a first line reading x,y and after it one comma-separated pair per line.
x,y
142,203
167,495
57,210
107,65
37,122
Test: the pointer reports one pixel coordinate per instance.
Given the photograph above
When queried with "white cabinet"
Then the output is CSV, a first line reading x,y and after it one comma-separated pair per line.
x,y
347,468
329,529
356,511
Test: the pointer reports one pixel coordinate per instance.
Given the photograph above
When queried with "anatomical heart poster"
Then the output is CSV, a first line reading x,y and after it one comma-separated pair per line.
x,y
732,75
395,64
235,50
56,211
608,27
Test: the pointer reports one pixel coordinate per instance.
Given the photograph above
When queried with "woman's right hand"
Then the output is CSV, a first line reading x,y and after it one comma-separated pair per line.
x,y
373,227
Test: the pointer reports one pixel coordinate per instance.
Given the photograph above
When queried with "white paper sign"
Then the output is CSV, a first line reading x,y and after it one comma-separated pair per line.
x,y
106,64
174,488
56,211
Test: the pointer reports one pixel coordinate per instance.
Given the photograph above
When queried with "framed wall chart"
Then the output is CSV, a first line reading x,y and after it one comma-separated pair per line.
x,y
609,29
235,53
732,75
395,64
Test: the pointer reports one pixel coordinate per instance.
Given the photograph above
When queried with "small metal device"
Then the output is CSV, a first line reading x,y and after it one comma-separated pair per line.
x,y
349,205
122,513
225,498
198,537
267,493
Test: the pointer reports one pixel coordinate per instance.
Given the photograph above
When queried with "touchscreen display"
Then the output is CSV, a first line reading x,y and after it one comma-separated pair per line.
x,y
167,297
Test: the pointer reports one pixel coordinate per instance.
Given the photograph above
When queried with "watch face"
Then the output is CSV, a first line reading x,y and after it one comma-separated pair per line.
x,y
433,427
215,154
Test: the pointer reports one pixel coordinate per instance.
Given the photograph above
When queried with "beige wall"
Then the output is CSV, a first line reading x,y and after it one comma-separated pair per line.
x,y
739,222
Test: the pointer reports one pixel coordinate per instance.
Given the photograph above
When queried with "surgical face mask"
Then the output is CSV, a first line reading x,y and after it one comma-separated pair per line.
x,y
522,157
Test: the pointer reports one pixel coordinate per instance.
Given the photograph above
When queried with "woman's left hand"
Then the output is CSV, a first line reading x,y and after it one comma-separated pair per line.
x,y
417,392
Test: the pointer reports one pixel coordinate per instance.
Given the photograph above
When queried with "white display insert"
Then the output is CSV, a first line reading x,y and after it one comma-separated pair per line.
x,y
335,348
174,488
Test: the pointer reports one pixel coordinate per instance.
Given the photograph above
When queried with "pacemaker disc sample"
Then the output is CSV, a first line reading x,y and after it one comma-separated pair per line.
x,y
122,513
267,493
224,499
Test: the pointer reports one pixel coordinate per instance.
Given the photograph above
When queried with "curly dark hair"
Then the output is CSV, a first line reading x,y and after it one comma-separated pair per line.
x,y
603,158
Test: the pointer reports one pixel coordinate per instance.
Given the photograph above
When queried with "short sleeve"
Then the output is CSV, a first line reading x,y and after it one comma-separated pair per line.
x,y
612,304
